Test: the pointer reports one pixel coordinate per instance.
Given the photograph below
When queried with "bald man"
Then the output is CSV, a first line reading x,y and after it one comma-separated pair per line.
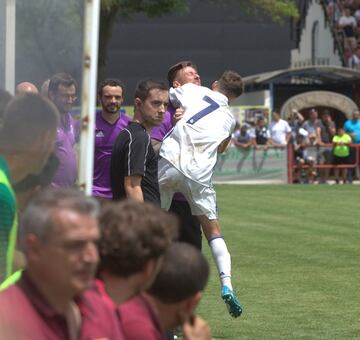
x,y
26,87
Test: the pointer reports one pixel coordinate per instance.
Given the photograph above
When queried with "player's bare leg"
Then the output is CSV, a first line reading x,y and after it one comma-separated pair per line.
x,y
221,255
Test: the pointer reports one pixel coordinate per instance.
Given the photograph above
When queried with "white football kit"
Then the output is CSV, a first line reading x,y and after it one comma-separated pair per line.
x,y
189,152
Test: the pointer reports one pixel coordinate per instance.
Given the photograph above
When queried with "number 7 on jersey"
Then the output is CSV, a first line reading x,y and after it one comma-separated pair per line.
x,y
197,116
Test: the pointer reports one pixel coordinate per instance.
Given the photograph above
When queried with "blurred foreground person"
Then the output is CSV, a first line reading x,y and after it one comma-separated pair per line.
x,y
26,141
172,298
58,235
134,238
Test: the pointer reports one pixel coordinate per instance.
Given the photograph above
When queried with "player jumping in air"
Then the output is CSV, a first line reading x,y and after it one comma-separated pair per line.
x,y
188,156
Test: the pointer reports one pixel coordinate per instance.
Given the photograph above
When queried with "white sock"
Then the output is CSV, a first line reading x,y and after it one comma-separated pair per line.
x,y
222,259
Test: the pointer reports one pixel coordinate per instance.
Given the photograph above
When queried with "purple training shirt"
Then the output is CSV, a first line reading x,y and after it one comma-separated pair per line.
x,y
68,134
105,136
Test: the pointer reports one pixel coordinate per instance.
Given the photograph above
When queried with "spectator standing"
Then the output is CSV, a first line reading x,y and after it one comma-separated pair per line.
x,y
54,298
311,125
262,134
341,143
26,141
348,24
109,122
302,157
243,138
295,121
325,133
354,61
133,160
352,128
179,74
280,131
62,92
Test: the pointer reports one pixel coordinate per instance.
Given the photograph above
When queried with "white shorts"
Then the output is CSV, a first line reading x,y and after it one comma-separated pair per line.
x,y
202,199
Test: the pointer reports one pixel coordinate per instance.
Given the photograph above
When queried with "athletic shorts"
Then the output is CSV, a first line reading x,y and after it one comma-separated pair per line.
x,y
202,199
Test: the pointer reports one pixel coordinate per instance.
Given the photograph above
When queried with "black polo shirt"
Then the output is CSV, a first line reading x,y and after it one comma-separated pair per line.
x,y
133,155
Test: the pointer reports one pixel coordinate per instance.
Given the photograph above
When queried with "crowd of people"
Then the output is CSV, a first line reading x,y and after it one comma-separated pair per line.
x,y
114,265
314,141
344,18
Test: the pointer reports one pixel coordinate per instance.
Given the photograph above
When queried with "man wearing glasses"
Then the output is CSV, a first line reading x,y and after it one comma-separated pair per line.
x,y
62,92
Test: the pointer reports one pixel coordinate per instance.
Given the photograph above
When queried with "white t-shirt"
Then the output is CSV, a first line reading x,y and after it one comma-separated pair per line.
x,y
192,145
279,130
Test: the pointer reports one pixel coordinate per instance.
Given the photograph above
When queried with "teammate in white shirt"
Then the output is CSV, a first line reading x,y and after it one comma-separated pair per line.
x,y
189,154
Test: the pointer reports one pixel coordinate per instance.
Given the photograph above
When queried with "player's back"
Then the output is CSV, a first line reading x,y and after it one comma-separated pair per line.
x,y
192,145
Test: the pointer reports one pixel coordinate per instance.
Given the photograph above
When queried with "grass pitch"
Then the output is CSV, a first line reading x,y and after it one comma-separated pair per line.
x,y
296,262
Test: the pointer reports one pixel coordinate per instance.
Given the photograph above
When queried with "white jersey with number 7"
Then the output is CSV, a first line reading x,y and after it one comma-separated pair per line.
x,y
191,146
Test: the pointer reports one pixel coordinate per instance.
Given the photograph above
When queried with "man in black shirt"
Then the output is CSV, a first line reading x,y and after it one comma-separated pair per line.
x,y
133,160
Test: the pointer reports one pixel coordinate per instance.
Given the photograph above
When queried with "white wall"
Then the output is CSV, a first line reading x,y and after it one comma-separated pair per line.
x,y
325,49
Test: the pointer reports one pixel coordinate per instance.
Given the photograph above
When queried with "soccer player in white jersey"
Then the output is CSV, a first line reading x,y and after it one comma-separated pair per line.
x,y
188,156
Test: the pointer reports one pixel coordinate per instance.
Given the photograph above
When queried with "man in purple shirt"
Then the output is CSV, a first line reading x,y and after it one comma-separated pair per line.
x,y
110,121
56,297
179,74
62,92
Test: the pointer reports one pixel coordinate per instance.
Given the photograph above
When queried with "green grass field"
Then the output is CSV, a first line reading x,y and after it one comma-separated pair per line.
x,y
296,262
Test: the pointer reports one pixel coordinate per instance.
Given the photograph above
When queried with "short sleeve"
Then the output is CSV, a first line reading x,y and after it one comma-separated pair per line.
x,y
136,155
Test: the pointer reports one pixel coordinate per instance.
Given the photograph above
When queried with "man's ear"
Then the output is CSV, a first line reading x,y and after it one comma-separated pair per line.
x,y
32,246
137,103
175,84
215,85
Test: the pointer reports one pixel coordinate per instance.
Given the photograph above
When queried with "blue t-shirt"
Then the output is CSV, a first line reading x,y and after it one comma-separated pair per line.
x,y
352,126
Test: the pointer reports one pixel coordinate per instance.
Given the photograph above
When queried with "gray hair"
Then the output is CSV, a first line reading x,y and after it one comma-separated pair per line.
x,y
38,216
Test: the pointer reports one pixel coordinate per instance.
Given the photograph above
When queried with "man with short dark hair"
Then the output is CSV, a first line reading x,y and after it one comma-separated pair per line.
x,y
55,297
109,122
188,157
26,141
62,92
133,160
179,74
171,299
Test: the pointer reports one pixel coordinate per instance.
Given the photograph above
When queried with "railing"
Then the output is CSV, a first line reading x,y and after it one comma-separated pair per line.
x,y
292,166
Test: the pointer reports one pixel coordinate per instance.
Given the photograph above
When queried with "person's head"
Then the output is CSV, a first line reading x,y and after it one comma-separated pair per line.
x,y
182,73
229,84
5,98
244,128
326,116
275,115
340,131
28,133
26,87
313,114
261,122
111,95
134,238
62,91
58,234
355,115
181,280
150,102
